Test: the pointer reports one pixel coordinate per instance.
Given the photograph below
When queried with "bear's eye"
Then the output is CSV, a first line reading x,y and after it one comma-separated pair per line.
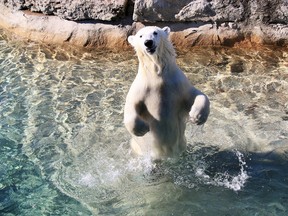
x,y
140,36
155,33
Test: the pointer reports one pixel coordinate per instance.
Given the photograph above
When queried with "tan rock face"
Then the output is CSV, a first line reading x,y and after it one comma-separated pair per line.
x,y
107,23
54,30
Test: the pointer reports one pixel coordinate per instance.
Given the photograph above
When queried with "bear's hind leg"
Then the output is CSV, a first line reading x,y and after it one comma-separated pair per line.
x,y
136,147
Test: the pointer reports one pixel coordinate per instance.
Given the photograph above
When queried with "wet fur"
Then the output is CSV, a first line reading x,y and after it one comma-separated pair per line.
x,y
160,99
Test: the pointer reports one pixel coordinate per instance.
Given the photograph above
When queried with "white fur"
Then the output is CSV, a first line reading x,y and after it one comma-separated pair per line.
x,y
160,98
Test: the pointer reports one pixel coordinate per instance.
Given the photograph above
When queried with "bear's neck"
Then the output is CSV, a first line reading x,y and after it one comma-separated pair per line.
x,y
159,63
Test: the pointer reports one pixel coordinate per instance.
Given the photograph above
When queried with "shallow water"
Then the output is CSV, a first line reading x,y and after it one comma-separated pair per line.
x,y
64,149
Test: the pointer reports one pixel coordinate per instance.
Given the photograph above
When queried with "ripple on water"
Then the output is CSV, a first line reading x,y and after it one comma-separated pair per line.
x,y
62,112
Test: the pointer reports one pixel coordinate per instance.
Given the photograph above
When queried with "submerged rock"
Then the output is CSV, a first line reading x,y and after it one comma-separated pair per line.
x,y
237,67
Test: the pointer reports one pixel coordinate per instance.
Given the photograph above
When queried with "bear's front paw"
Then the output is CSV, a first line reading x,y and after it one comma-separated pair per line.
x,y
200,110
198,117
140,128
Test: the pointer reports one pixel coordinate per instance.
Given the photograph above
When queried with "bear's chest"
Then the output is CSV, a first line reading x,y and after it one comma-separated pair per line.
x,y
163,100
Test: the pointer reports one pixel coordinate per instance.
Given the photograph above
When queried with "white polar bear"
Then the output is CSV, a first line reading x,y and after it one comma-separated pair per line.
x,y
160,98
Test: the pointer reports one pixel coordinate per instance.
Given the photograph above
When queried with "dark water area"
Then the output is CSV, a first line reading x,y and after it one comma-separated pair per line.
x,y
64,149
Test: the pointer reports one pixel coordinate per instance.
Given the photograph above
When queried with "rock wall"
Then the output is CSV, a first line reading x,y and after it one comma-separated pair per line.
x,y
107,23
73,9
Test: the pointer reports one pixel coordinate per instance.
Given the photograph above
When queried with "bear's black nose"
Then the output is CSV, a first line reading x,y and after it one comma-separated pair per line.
x,y
148,43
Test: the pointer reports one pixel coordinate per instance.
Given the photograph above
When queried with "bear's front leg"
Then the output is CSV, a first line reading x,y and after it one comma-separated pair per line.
x,y
136,126
200,109
140,127
134,118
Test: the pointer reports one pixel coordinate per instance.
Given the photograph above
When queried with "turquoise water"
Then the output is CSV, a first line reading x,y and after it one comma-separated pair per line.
x,y
64,149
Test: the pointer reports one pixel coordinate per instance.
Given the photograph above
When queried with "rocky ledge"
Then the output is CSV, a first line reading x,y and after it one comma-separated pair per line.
x,y
107,24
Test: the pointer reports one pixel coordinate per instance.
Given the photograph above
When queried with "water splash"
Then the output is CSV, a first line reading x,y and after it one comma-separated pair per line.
x,y
233,182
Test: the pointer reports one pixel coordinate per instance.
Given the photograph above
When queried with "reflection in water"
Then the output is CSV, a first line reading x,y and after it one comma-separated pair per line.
x,y
63,141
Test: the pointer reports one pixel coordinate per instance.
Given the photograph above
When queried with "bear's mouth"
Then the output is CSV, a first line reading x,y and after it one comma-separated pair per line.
x,y
151,50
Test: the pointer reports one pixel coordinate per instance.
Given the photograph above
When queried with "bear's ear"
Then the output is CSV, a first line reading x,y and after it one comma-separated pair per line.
x,y
166,30
131,39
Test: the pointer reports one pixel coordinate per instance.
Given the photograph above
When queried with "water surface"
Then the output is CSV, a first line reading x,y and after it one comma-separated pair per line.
x,y
64,149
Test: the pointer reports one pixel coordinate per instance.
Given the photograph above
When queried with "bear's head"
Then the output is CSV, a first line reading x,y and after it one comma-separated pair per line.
x,y
149,39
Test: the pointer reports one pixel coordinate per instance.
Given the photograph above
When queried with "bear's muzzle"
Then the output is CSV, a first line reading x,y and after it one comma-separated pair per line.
x,y
150,46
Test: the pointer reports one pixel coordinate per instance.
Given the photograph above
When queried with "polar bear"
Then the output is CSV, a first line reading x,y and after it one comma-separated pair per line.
x,y
161,98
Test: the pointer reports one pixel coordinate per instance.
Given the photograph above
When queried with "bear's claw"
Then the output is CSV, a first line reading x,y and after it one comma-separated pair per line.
x,y
199,120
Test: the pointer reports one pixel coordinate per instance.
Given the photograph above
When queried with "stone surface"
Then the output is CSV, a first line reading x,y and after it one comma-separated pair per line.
x,y
107,23
53,29
269,11
74,9
153,11
187,10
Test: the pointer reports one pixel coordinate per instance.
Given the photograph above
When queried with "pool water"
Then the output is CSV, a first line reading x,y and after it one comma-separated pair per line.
x,y
65,151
